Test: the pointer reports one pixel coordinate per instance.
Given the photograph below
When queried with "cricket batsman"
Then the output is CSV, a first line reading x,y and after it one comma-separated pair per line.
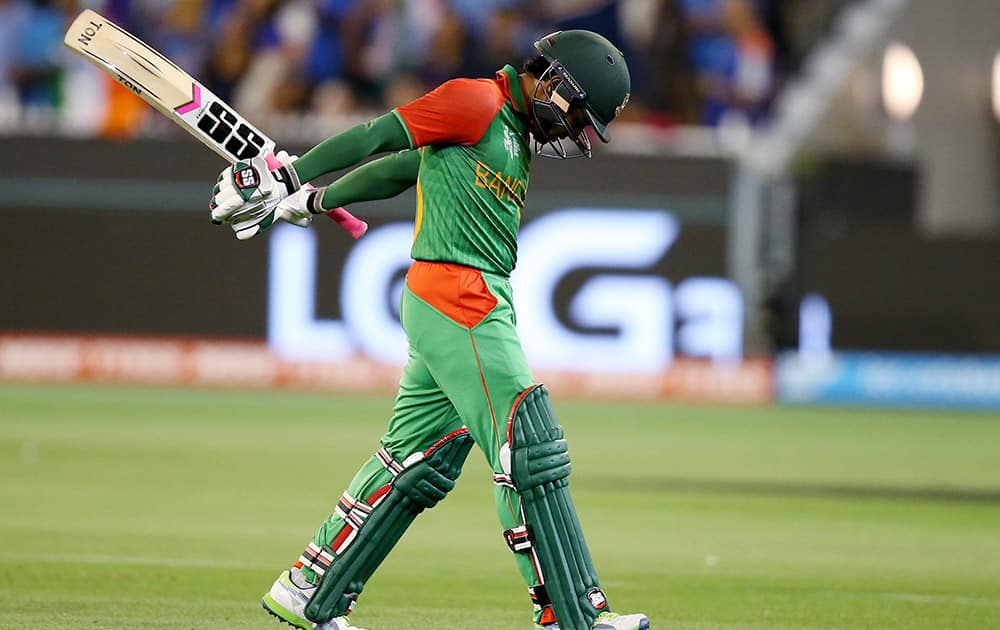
x,y
466,147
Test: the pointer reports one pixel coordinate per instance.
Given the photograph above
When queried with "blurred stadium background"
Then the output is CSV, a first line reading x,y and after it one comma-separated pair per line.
x,y
795,230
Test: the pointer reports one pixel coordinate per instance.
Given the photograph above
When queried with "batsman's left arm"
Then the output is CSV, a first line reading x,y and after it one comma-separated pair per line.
x,y
379,179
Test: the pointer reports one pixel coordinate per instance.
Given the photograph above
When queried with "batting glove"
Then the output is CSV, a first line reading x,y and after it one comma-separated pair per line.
x,y
246,191
296,209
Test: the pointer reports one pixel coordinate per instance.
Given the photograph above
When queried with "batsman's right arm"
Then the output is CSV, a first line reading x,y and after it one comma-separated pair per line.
x,y
351,147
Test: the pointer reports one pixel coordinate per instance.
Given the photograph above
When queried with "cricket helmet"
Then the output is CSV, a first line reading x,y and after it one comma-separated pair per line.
x,y
592,76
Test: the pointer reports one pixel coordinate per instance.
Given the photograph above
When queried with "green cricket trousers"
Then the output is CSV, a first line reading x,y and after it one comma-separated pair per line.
x,y
466,368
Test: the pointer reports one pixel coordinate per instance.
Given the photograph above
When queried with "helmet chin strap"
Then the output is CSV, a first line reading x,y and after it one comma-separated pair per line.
x,y
550,111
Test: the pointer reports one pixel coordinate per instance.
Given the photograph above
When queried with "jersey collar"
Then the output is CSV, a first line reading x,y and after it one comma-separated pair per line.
x,y
511,86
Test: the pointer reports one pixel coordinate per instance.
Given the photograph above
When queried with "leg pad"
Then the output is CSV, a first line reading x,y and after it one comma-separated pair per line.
x,y
421,483
540,467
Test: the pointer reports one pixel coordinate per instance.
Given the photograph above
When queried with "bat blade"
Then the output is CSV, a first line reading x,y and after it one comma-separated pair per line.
x,y
172,91
164,85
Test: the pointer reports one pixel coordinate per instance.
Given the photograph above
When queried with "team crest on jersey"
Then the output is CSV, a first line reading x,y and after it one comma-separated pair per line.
x,y
510,143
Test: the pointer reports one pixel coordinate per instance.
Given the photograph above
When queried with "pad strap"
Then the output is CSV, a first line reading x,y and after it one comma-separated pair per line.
x,y
518,538
316,558
503,480
393,466
353,511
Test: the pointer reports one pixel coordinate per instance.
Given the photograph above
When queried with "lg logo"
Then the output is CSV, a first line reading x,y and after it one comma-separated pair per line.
x,y
621,322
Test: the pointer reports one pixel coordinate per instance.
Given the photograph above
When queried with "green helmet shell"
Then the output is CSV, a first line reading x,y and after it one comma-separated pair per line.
x,y
598,67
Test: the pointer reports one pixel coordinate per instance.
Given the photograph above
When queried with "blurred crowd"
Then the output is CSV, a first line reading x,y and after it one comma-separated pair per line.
x,y
692,61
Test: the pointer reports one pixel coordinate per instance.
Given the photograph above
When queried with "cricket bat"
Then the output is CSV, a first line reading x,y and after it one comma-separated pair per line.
x,y
161,83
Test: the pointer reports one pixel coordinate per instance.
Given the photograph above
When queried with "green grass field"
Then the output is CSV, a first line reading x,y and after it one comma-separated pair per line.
x,y
133,508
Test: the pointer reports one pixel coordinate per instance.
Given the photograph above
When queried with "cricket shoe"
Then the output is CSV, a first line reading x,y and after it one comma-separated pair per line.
x,y
611,621
287,601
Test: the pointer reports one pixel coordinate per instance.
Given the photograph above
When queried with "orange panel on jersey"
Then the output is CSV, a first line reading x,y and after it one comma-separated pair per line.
x,y
457,291
457,112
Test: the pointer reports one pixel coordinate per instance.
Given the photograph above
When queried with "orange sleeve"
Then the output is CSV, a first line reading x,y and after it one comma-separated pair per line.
x,y
457,112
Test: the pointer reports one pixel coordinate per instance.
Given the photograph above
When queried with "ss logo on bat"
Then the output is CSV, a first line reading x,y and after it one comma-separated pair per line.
x,y
226,128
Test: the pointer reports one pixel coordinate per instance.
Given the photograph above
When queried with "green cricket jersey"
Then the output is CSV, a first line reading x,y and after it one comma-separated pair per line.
x,y
475,158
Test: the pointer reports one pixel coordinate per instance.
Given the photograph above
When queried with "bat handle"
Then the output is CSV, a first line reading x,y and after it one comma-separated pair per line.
x,y
354,226
272,162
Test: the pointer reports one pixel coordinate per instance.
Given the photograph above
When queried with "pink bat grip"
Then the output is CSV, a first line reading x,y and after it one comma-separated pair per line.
x,y
354,226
